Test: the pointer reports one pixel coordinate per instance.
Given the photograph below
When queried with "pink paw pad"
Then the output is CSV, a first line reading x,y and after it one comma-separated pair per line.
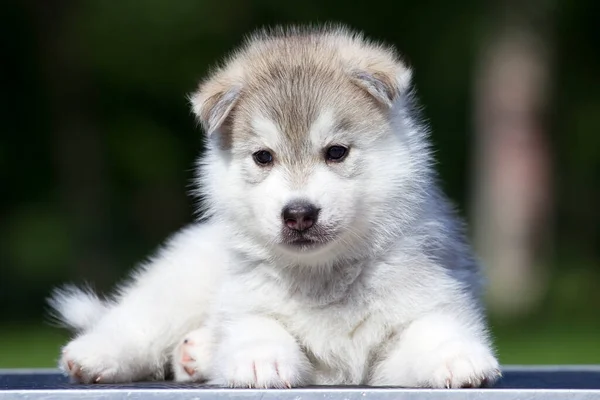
x,y
186,360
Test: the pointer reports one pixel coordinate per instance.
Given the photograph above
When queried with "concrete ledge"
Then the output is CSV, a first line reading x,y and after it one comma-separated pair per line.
x,y
519,382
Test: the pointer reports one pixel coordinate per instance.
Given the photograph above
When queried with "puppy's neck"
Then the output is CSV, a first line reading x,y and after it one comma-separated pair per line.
x,y
314,285
323,286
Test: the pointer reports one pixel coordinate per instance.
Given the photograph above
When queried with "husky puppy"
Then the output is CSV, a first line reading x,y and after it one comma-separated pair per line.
x,y
328,254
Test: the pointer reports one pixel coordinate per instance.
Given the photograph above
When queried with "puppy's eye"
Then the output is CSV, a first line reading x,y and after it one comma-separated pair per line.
x,y
336,153
263,157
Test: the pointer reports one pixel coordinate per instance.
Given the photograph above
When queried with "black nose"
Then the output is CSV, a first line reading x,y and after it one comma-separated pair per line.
x,y
300,216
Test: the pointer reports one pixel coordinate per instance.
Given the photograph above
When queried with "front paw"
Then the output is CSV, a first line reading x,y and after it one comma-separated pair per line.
x,y
463,365
457,364
262,365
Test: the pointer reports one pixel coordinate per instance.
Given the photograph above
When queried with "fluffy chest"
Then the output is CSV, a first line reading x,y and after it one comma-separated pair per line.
x,y
340,324
339,339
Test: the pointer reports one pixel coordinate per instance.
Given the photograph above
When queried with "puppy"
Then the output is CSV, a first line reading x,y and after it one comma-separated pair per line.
x,y
328,254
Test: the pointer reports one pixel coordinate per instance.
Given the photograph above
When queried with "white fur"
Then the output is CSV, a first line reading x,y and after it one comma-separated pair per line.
x,y
167,297
268,129
390,299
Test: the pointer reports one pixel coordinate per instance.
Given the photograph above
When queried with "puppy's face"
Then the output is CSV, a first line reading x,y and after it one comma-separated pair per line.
x,y
303,154
306,159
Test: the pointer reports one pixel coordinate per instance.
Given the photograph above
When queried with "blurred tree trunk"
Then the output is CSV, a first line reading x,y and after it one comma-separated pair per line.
x,y
76,145
512,182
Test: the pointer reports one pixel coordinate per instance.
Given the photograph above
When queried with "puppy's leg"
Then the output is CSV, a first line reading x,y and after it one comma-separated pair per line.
x,y
258,352
135,337
438,351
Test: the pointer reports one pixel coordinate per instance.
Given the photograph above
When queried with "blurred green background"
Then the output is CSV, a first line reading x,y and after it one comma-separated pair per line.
x,y
98,145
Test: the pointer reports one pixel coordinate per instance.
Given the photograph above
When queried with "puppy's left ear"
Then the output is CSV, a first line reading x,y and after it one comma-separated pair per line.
x,y
214,100
380,72
384,86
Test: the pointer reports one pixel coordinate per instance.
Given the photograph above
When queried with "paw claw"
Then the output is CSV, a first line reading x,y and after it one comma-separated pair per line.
x,y
70,365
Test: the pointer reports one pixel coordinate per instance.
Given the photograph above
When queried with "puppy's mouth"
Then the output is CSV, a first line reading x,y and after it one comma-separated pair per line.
x,y
304,241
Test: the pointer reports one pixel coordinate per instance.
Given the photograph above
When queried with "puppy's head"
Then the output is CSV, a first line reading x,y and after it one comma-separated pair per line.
x,y
310,152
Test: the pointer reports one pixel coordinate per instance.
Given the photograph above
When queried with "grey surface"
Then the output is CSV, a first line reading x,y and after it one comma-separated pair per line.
x,y
574,382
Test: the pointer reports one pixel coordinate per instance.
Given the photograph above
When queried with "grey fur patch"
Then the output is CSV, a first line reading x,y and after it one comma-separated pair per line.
x,y
290,74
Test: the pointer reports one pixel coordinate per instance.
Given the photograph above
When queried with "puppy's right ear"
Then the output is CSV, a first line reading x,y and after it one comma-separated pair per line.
x,y
213,101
